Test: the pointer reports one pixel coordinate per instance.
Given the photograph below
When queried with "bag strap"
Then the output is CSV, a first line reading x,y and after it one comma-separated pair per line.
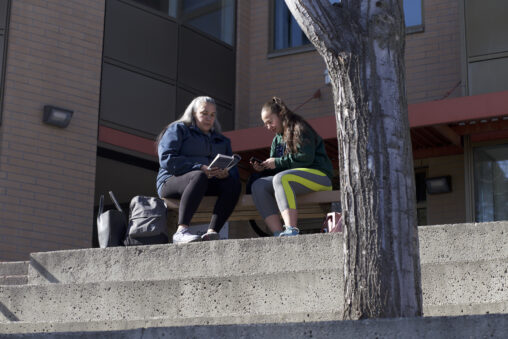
x,y
101,208
117,205
325,222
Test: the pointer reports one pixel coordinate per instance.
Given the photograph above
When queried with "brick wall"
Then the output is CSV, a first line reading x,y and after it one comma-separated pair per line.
x,y
242,65
433,57
294,77
433,63
47,173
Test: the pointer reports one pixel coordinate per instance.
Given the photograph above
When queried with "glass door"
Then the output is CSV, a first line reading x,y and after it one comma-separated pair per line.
x,y
491,182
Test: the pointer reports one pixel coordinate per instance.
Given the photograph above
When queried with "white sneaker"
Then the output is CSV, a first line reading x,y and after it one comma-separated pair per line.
x,y
184,236
210,235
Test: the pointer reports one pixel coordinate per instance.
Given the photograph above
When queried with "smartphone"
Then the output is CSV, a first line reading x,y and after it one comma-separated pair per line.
x,y
254,159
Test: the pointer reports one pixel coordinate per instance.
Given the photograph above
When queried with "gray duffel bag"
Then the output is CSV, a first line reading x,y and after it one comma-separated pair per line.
x,y
147,221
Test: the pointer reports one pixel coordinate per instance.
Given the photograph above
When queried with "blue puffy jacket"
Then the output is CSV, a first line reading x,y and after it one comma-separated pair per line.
x,y
186,148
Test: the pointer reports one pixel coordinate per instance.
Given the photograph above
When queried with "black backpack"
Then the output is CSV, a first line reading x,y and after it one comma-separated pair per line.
x,y
147,221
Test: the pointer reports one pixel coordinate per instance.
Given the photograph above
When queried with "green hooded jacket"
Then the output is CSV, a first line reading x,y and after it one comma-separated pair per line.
x,y
311,154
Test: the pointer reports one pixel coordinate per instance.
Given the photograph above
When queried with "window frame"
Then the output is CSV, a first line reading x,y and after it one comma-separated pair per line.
x,y
415,28
5,32
472,173
181,21
272,52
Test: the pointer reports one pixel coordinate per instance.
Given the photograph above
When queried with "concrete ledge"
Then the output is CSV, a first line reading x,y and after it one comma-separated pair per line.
x,y
13,268
486,326
438,244
207,259
463,242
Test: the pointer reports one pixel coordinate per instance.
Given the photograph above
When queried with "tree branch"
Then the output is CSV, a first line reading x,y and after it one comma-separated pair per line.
x,y
320,20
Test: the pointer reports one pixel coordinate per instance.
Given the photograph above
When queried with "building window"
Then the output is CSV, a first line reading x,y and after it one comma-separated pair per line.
x,y
491,182
168,7
286,32
413,16
214,17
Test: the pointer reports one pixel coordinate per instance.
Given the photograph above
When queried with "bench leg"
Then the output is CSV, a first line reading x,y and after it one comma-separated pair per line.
x,y
172,223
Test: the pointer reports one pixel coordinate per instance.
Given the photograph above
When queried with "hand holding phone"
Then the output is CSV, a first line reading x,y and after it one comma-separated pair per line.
x,y
255,160
256,164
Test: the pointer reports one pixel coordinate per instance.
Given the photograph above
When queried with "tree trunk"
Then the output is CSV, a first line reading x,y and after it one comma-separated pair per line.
x,y
362,43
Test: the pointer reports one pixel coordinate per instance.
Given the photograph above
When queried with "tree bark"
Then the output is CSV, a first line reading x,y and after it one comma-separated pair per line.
x,y
362,43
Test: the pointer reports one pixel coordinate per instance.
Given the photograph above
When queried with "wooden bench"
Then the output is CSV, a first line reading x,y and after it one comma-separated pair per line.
x,y
311,205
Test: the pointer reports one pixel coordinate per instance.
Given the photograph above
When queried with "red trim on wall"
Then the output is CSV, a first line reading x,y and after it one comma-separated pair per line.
x,y
488,136
126,140
458,109
421,114
433,152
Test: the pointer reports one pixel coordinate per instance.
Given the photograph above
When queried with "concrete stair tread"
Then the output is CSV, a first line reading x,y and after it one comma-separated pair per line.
x,y
450,327
115,325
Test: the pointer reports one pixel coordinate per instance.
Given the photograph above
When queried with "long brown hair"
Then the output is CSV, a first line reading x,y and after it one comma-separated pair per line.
x,y
293,125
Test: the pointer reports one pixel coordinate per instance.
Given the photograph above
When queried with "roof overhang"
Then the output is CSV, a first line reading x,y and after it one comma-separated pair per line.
x,y
437,128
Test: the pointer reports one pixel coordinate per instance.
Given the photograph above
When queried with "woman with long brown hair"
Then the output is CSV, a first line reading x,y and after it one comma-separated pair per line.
x,y
298,164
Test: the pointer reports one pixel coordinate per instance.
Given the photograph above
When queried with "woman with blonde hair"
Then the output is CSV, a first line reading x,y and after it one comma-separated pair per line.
x,y
186,147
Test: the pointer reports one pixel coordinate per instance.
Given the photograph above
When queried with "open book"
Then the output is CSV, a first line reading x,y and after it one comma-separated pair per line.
x,y
225,161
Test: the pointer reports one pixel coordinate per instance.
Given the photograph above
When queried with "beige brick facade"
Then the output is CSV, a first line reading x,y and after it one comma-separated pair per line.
x,y
294,78
433,57
432,63
47,173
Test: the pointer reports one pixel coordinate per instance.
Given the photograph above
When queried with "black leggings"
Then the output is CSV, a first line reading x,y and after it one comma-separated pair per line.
x,y
190,189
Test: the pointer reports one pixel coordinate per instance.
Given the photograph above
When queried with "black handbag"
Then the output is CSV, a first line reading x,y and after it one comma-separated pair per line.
x,y
111,225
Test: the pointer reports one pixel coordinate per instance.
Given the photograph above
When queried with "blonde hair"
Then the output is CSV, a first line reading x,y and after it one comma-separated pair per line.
x,y
188,117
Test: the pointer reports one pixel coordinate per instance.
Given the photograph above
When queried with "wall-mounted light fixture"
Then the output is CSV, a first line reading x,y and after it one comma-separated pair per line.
x,y
439,184
57,116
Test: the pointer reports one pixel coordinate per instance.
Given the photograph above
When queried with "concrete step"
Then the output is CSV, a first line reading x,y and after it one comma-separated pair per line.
x,y
206,259
14,273
243,282
482,326
317,291
458,288
463,242
444,243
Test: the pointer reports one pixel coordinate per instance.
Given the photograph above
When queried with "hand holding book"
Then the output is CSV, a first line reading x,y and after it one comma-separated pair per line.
x,y
224,161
